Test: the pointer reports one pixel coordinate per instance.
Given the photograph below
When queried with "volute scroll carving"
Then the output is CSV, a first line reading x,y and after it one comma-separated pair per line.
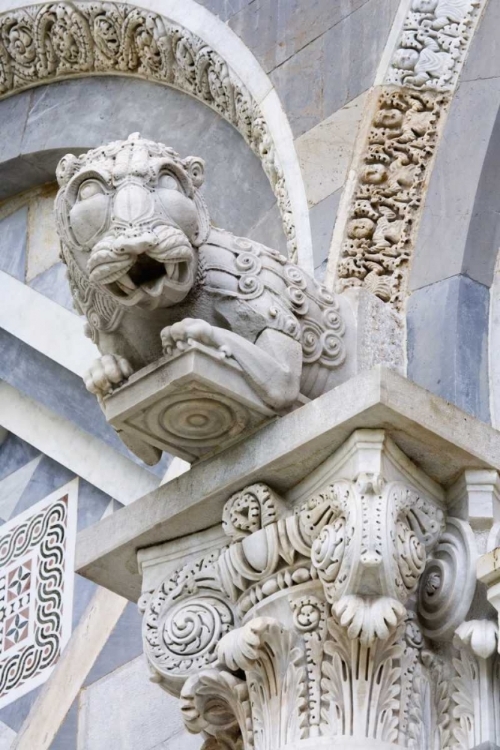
x,y
327,637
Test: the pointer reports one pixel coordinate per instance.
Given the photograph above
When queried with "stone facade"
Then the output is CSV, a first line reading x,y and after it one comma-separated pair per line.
x,y
281,541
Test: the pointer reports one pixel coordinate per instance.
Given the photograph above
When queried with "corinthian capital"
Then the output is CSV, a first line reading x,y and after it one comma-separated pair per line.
x,y
311,622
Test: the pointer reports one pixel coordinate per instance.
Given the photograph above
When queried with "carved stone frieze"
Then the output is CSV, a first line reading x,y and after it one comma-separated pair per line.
x,y
391,180
43,43
433,43
317,621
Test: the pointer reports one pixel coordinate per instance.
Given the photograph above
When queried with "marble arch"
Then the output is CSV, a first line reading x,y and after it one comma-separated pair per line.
x,y
177,43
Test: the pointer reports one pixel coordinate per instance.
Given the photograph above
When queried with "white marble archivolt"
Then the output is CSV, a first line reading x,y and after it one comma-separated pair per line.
x,y
319,623
36,585
39,44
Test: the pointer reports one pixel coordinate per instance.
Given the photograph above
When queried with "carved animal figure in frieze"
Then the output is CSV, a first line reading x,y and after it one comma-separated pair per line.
x,y
151,274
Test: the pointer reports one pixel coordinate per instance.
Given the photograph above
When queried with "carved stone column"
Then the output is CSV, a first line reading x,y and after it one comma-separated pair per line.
x,y
313,626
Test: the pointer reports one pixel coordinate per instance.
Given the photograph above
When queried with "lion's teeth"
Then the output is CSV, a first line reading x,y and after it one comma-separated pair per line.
x,y
172,270
126,283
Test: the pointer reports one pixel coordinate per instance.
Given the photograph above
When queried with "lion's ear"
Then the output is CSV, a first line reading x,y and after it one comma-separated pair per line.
x,y
195,167
66,169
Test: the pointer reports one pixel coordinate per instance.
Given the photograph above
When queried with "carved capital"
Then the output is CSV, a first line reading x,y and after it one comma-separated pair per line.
x,y
316,622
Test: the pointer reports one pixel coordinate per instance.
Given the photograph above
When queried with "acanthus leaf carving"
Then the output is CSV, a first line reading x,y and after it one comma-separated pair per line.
x,y
326,640
276,680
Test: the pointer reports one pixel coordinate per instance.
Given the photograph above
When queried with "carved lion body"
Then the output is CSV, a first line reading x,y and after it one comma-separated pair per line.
x,y
150,273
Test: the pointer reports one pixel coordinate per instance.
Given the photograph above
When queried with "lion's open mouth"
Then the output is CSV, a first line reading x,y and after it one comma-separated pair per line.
x,y
149,275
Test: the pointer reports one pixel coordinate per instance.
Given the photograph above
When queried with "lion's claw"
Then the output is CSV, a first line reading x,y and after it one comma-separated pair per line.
x,y
106,373
185,333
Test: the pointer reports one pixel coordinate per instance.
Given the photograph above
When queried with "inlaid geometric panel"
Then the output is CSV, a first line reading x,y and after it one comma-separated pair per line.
x,y
36,591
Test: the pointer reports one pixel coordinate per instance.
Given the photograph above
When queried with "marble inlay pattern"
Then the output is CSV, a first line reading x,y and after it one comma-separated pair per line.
x,y
36,588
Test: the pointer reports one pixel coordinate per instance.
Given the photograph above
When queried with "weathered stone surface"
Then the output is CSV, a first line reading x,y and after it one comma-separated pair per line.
x,y
322,217
442,248
275,30
448,342
43,245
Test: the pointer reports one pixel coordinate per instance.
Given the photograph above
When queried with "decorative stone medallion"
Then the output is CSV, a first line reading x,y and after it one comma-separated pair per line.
x,y
36,591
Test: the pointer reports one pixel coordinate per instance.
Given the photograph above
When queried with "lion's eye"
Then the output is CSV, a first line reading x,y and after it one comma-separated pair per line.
x,y
168,182
88,189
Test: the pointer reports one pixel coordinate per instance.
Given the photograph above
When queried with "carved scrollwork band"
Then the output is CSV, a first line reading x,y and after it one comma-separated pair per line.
x,y
388,194
40,44
393,169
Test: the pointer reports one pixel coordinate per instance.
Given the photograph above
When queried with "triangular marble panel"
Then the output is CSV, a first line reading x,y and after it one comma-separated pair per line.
x,y
13,486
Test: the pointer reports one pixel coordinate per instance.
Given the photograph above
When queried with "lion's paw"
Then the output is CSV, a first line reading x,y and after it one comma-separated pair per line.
x,y
106,373
183,334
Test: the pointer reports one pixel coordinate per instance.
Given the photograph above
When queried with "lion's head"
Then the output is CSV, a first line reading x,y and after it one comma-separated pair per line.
x,y
131,216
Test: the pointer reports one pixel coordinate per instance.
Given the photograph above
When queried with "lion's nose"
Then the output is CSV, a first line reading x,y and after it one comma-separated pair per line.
x,y
134,245
132,203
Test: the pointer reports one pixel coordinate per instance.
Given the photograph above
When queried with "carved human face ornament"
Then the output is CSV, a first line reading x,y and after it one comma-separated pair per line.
x,y
132,217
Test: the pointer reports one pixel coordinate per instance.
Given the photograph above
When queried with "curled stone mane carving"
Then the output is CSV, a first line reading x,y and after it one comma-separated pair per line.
x,y
41,44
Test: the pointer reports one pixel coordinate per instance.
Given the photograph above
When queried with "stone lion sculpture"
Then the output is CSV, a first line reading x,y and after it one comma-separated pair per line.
x,y
151,274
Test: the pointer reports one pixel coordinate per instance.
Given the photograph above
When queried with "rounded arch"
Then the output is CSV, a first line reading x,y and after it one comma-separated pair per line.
x,y
174,42
448,310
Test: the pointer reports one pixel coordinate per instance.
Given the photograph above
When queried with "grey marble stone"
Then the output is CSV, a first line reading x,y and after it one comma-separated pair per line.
x,y
15,453
225,9
336,67
13,231
277,29
123,645
448,342
53,284
322,217
76,115
48,477
53,386
268,230
16,712
459,229
92,503
83,593
483,60
66,738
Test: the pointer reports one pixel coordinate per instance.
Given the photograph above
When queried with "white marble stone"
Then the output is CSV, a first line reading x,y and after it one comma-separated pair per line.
x,y
43,244
85,455
33,318
325,151
142,717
